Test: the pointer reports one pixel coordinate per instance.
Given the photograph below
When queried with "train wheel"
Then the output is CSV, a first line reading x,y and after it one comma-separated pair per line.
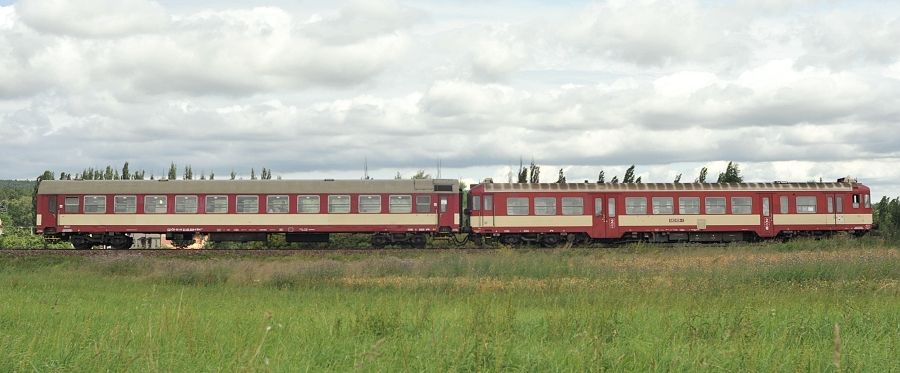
x,y
550,240
509,239
379,241
418,241
81,243
121,242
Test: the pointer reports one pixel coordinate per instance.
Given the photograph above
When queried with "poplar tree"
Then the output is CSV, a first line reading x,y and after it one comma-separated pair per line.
x,y
702,177
561,178
629,175
601,178
732,174
173,172
677,179
535,173
126,175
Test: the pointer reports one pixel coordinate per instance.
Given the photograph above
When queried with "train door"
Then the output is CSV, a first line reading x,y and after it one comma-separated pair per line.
x,y
599,217
53,210
487,211
765,218
838,209
829,208
445,216
612,216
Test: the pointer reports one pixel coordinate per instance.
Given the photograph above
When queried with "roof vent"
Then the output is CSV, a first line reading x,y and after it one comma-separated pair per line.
x,y
846,179
488,180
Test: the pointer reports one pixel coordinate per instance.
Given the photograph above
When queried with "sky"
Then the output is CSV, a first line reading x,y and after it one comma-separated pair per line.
x,y
791,90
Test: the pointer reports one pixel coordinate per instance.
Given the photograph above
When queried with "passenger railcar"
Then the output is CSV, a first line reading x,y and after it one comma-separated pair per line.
x,y
656,212
88,213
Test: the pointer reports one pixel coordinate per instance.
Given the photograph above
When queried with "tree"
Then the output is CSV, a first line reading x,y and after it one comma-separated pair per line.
x,y
562,177
233,175
629,175
202,175
601,178
638,180
732,174
116,175
398,176
523,173
702,177
173,171
47,175
677,179
108,174
535,173
188,173
615,180
420,174
126,174
212,175
252,174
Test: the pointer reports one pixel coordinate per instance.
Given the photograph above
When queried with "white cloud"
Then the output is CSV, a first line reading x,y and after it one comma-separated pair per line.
x,y
93,18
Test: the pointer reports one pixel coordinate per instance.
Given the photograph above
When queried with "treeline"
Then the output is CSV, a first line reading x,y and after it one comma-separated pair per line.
x,y
532,174
114,173
886,215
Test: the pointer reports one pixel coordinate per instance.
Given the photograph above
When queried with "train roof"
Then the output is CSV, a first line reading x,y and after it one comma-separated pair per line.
x,y
245,186
651,187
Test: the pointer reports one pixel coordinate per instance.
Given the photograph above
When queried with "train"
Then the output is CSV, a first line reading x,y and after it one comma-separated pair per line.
x,y
108,213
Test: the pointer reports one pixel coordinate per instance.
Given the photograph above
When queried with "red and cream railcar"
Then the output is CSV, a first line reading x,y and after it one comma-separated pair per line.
x,y
656,212
89,213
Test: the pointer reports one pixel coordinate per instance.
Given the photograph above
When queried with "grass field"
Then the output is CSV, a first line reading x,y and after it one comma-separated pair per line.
x,y
809,306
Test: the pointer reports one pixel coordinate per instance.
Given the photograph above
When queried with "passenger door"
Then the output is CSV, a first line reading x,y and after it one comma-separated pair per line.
x,y
611,214
599,217
829,209
765,212
445,213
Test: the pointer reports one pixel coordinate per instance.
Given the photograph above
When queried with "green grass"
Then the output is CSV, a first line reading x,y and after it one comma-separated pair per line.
x,y
761,308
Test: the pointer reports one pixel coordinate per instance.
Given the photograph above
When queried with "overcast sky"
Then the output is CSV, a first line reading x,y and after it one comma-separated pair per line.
x,y
791,90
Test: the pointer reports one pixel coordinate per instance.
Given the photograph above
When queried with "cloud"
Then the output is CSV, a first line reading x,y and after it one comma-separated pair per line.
x,y
93,18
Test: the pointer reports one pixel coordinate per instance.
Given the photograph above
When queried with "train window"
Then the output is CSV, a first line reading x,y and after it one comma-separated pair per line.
x,y
663,205
840,204
216,204
868,201
155,205
783,204
598,206
488,202
277,205
186,204
611,207
741,205
400,204
71,205
247,205
517,206
689,205
308,204
829,204
370,204
125,205
765,206
806,204
856,201
423,204
94,204
476,203
545,206
635,206
573,206
338,204
444,203
715,205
